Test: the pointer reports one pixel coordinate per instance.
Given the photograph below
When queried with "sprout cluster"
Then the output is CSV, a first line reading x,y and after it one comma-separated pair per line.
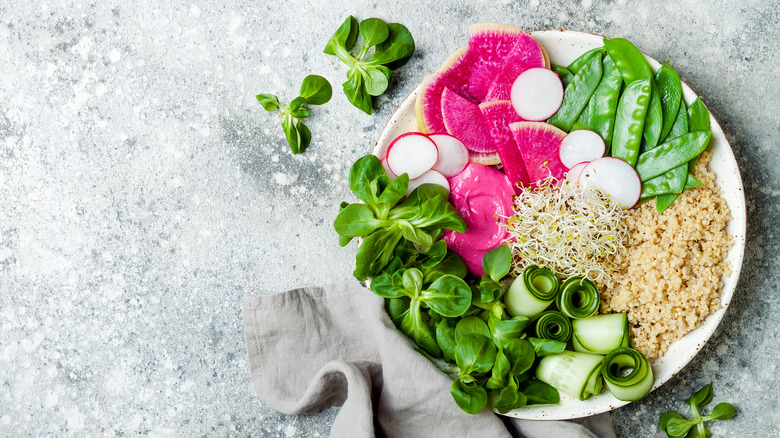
x,y
568,230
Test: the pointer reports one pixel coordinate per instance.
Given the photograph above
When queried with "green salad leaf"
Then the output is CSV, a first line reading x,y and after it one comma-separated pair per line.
x,y
677,426
370,76
315,90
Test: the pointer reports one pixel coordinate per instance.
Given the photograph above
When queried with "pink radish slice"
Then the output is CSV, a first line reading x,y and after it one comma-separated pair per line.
x,y
429,177
453,155
573,175
580,146
537,94
614,178
389,172
412,153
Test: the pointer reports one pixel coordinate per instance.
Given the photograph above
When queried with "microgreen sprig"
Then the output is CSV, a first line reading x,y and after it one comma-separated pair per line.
x,y
370,75
677,426
315,90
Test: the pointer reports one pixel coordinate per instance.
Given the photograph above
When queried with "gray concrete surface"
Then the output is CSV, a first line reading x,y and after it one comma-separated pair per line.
x,y
144,192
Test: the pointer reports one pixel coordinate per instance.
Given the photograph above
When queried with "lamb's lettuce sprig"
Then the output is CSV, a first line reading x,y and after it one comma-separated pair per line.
x,y
677,426
315,90
370,76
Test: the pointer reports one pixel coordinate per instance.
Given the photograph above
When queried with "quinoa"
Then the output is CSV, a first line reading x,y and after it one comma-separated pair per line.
x,y
668,278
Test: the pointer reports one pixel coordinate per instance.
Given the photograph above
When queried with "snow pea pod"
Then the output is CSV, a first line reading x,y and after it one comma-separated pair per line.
x,y
680,125
564,73
584,59
630,120
662,202
699,120
670,90
671,154
577,94
628,59
603,104
655,118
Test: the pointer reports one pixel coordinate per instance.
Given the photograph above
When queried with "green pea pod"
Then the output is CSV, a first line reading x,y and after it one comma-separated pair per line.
x,y
630,120
603,104
699,120
669,88
680,125
577,94
628,59
662,202
671,154
564,73
585,119
585,59
654,118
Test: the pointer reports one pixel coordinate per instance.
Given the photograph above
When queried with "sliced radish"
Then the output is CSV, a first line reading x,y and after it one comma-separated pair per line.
x,y
389,172
614,178
580,146
573,174
537,94
412,153
453,155
429,177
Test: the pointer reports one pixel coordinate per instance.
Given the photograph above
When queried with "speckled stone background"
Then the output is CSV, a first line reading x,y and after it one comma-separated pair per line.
x,y
144,192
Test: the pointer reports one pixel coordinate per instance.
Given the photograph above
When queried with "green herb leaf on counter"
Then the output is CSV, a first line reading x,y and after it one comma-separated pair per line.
x,y
677,426
370,76
315,90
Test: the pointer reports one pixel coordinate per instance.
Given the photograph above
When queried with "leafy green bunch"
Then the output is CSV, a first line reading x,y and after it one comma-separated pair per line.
x,y
370,75
315,90
383,222
677,426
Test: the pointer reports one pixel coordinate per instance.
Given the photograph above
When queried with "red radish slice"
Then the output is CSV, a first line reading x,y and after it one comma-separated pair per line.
x,y
429,177
389,172
453,155
580,146
537,94
573,175
412,153
614,178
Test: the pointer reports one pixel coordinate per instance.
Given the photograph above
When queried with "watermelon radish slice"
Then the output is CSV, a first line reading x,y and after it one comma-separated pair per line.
x,y
412,153
539,145
527,53
499,114
429,177
490,45
453,155
463,120
573,175
614,178
537,94
581,145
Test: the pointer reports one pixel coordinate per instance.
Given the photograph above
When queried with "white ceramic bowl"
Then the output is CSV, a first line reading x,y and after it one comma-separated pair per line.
x,y
562,48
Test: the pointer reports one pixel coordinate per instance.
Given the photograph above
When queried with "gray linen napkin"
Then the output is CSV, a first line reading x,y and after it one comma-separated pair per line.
x,y
312,348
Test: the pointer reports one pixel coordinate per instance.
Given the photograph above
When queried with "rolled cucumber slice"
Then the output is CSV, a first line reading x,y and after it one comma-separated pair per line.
x,y
553,325
532,292
574,373
579,298
628,374
600,334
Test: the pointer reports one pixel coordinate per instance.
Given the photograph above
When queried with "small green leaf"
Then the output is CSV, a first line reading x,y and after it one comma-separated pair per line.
x,y
702,396
396,50
471,397
497,262
665,417
722,411
471,325
299,112
373,31
412,281
315,90
269,102
344,39
475,354
291,133
356,92
356,220
304,134
679,426
377,79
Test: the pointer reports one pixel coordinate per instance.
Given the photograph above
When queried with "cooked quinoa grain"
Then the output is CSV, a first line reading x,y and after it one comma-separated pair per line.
x,y
669,276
